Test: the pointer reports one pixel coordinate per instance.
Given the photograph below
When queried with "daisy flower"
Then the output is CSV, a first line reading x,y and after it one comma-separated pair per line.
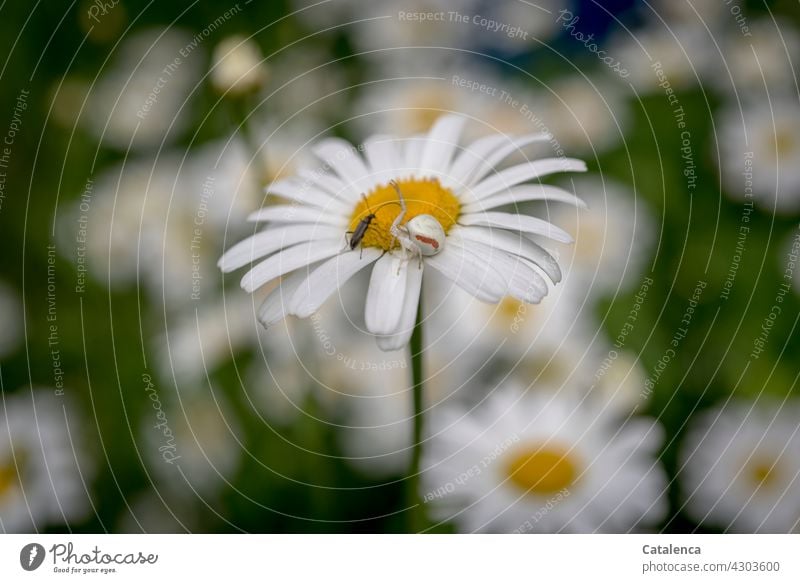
x,y
760,62
135,104
41,479
167,213
238,66
382,25
741,467
543,462
590,115
762,140
613,243
681,52
408,97
411,206
472,342
193,442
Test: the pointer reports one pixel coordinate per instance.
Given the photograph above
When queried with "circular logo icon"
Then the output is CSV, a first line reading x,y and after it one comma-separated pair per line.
x,y
31,556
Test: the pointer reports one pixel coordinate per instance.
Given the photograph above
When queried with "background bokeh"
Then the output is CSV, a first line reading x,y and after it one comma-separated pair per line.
x,y
141,394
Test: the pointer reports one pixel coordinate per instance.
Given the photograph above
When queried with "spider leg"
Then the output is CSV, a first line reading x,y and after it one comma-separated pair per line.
x,y
395,228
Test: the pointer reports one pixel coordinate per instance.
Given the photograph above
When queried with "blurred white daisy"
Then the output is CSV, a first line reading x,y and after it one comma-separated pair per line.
x,y
588,115
470,340
378,415
760,153
620,380
11,316
383,24
613,242
161,221
43,472
191,444
543,462
196,342
698,12
155,513
555,345
410,205
679,54
238,66
408,97
760,63
741,467
141,101
306,89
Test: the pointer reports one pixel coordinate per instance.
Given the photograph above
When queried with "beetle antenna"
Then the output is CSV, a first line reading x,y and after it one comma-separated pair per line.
x,y
383,204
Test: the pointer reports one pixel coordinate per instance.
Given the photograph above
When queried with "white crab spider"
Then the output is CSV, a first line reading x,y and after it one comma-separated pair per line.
x,y
421,236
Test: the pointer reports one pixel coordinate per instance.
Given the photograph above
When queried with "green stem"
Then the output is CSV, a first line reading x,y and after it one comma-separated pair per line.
x,y
416,512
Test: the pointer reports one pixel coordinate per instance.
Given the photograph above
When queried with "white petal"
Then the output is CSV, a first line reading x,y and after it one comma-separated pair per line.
x,y
515,222
522,194
496,156
276,305
526,285
440,145
470,273
413,153
329,277
288,260
297,213
346,161
326,181
270,240
522,282
296,190
468,160
516,174
387,290
408,316
383,158
512,243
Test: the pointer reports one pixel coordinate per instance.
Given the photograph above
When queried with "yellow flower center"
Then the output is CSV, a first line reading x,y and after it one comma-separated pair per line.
x,y
425,108
784,142
8,477
763,473
542,469
422,197
510,308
